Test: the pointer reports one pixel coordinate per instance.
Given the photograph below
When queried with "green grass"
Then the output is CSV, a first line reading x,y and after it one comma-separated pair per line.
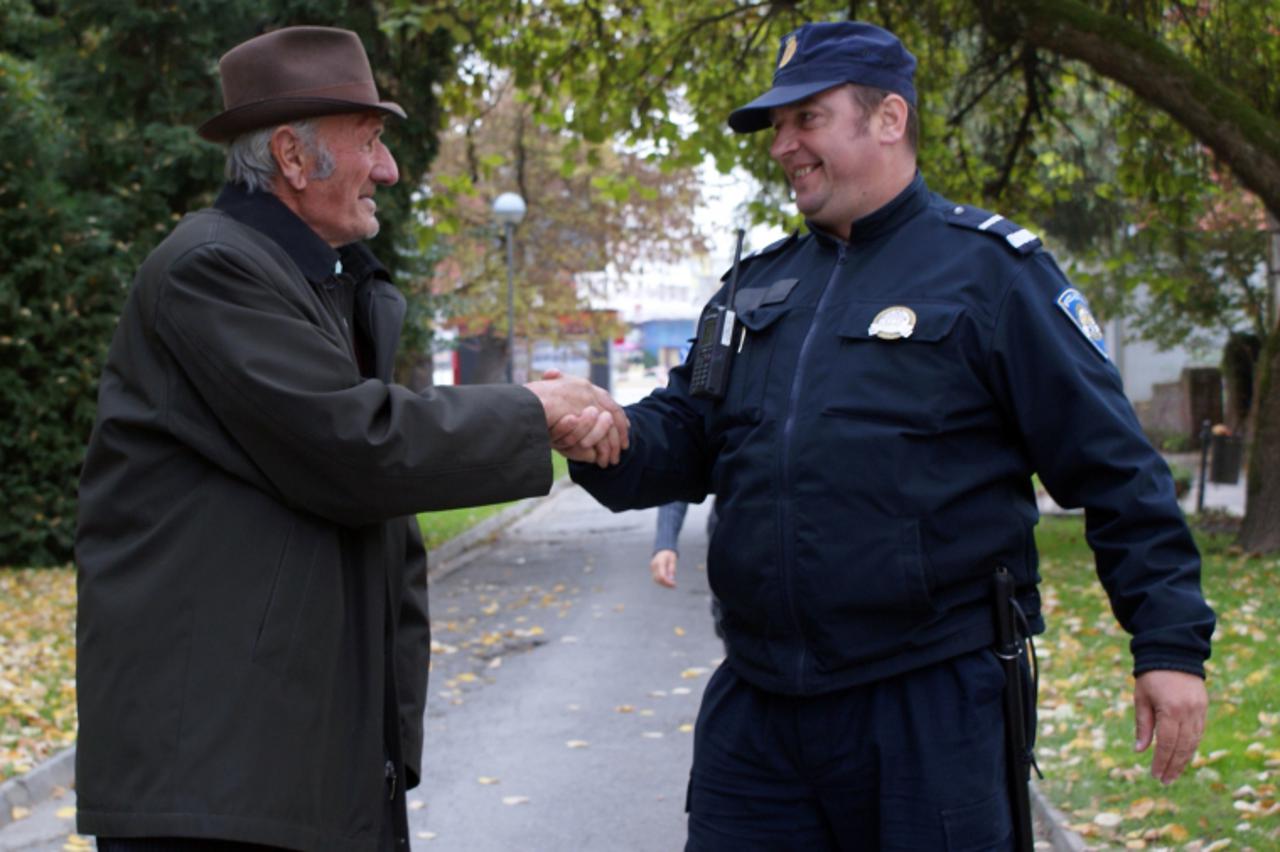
x,y
1085,743
439,527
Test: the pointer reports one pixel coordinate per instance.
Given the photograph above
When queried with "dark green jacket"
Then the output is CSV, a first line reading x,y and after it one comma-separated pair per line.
x,y
245,560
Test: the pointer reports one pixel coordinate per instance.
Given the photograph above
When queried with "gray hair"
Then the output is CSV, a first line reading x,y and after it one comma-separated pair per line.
x,y
251,164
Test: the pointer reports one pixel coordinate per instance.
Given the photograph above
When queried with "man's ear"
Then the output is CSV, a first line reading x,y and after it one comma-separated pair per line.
x,y
291,157
893,118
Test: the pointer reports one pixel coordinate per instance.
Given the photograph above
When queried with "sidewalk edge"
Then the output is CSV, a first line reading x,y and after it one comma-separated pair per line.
x,y
38,785
1062,838
462,548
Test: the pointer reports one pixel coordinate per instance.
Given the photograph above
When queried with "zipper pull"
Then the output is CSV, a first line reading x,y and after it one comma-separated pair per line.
x,y
391,779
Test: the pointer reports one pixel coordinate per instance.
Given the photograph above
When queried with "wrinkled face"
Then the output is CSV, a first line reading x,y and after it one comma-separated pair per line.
x,y
340,207
825,145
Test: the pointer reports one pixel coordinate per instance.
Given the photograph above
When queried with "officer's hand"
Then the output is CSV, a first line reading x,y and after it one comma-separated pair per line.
x,y
1172,706
663,568
584,422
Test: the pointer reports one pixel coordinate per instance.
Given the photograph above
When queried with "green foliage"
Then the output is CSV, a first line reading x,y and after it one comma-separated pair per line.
x,y
99,158
439,527
1086,727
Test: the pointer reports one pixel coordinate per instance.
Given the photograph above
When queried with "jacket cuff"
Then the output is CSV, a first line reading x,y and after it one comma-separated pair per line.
x,y
1158,664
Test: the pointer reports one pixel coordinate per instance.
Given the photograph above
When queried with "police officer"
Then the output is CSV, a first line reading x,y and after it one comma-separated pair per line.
x,y
900,373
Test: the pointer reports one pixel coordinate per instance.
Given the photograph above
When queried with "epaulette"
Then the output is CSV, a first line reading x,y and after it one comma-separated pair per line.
x,y
775,246
1017,238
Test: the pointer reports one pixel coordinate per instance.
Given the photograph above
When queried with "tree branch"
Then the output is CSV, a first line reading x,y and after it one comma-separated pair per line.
x,y
1241,135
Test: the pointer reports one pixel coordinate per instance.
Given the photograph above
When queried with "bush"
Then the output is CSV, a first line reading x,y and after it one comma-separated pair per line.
x,y
98,159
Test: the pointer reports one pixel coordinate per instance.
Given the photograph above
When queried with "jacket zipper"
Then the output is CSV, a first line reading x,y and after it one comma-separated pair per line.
x,y
785,505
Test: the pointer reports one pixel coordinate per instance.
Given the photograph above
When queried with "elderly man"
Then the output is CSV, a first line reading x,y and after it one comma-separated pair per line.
x,y
899,374
253,636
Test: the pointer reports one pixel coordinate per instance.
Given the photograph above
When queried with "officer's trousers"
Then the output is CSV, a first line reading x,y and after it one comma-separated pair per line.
x,y
912,762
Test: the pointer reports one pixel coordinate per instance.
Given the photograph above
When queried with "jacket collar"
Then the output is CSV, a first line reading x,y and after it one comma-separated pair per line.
x,y
903,206
267,214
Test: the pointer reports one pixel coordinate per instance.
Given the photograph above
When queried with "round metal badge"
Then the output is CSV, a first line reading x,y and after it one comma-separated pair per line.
x,y
893,323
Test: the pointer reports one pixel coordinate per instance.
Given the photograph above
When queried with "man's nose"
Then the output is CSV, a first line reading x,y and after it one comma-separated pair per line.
x,y
784,142
384,168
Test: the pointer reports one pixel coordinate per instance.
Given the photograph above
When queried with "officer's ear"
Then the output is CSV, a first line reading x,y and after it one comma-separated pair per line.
x,y
893,113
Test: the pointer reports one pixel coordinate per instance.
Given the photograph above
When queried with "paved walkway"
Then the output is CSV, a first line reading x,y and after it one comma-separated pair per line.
x,y
552,533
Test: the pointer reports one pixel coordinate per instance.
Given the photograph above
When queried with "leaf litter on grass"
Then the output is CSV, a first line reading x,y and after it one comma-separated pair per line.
x,y
1227,797
37,666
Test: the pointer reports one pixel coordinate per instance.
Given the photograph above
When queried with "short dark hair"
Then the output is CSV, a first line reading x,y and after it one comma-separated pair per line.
x,y
868,98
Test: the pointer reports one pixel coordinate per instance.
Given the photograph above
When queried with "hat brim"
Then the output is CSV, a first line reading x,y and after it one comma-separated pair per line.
x,y
230,124
755,115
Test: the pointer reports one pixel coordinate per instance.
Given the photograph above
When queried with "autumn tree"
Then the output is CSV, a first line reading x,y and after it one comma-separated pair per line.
x,y
589,206
1004,89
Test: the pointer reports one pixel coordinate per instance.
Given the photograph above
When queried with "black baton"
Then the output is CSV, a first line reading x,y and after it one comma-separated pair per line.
x,y
1009,648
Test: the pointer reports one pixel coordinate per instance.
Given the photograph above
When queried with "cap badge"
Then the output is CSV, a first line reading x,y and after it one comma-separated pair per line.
x,y
893,323
788,52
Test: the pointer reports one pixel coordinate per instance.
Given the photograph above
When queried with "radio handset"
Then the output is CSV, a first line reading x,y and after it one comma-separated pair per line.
x,y
713,350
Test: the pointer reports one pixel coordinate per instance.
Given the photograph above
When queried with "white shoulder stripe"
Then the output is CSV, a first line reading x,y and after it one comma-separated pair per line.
x,y
987,224
1020,238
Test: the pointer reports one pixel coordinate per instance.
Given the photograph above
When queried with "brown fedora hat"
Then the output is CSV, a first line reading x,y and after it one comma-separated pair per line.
x,y
293,73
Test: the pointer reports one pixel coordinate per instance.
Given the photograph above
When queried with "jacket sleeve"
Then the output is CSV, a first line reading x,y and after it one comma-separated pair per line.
x,y
670,520
669,458
1080,432
350,449
413,653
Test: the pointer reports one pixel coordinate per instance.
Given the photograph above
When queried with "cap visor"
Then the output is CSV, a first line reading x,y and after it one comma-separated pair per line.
x,y
755,115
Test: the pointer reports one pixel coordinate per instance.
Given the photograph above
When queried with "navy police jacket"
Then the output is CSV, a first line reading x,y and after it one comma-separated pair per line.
x,y
889,401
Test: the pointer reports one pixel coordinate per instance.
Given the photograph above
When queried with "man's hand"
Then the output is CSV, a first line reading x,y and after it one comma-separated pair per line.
x,y
663,568
1172,706
584,422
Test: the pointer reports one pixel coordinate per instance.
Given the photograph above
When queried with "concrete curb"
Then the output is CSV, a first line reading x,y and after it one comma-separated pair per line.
x,y
462,548
29,790
1062,838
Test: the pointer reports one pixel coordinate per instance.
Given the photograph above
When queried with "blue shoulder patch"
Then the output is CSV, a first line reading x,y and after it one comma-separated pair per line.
x,y
1076,307
1018,239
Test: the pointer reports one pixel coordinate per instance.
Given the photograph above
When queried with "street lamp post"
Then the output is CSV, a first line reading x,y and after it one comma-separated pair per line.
x,y
508,209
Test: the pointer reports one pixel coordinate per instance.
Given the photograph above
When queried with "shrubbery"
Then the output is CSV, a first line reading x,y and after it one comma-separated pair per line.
x,y
98,159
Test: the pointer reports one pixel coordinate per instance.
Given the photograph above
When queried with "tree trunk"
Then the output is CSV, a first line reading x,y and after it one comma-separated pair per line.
x,y
482,360
1260,532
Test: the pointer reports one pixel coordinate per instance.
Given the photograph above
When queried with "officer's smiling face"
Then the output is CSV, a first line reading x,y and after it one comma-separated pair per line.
x,y
826,146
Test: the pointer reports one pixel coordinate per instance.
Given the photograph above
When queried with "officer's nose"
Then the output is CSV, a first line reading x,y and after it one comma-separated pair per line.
x,y
784,142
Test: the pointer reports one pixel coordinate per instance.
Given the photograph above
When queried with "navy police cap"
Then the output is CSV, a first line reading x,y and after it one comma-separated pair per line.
x,y
821,56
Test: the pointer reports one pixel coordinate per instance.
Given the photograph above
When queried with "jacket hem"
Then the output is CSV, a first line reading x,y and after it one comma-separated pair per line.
x,y
967,640
218,827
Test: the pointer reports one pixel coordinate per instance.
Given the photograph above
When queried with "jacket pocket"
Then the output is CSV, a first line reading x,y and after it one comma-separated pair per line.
x,y
878,569
907,380
984,826
753,347
282,611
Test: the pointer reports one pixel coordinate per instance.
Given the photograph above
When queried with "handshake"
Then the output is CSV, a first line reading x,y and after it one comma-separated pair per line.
x,y
584,422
